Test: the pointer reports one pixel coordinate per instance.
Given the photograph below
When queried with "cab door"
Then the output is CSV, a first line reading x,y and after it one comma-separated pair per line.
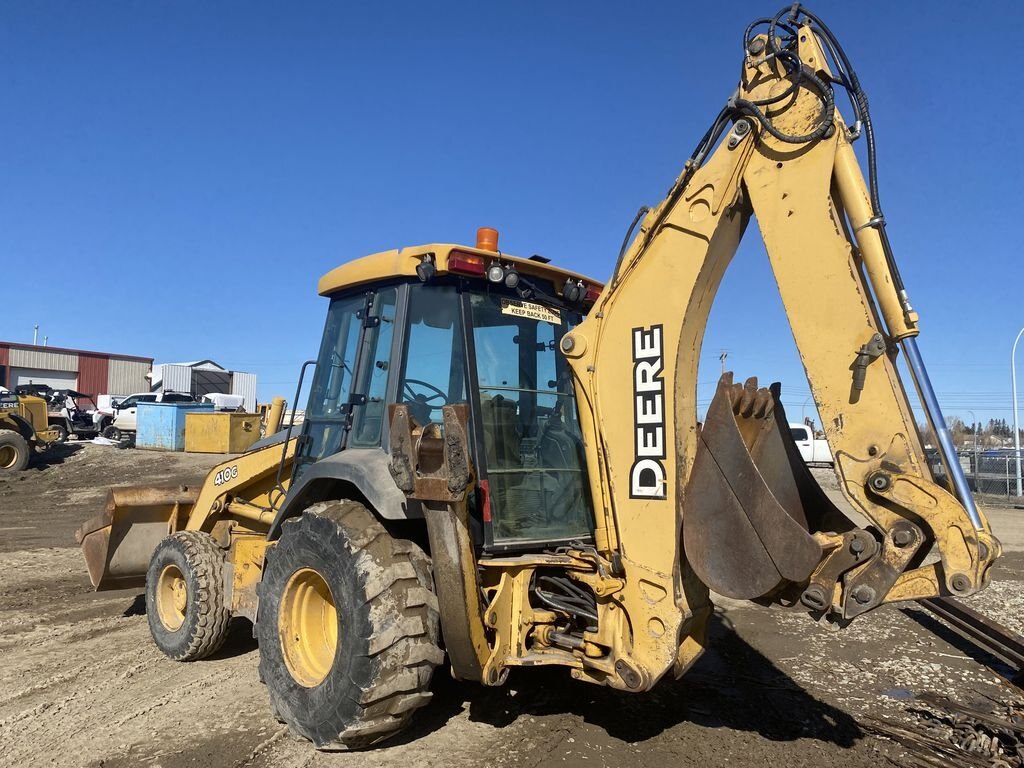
x,y
347,397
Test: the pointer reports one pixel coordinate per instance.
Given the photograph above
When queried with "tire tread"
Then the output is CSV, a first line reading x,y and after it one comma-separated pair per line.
x,y
403,648
22,447
206,563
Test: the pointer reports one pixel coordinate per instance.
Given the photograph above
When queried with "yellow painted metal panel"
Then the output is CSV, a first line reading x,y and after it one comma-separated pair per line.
x,y
221,432
402,263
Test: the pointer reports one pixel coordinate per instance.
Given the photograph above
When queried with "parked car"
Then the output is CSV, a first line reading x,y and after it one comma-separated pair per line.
x,y
125,410
813,450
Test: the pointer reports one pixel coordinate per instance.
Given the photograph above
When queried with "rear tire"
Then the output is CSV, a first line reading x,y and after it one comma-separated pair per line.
x,y
62,433
348,627
15,452
185,602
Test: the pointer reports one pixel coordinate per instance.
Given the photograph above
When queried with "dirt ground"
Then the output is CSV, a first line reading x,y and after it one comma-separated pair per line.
x,y
82,685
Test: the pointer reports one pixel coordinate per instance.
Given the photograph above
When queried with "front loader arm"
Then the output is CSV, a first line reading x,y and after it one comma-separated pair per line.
x,y
750,523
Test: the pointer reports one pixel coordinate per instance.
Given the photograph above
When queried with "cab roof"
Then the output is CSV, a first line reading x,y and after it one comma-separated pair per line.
x,y
402,262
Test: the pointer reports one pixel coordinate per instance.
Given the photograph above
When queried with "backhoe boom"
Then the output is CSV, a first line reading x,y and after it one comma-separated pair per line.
x,y
751,525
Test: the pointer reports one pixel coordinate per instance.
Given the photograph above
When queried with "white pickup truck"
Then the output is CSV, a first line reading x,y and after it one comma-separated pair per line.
x,y
124,410
813,450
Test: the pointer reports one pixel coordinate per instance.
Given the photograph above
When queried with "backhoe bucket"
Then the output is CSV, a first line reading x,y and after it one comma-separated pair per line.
x,y
751,504
119,542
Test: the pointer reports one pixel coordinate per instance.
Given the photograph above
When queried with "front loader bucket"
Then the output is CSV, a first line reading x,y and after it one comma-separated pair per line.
x,y
750,503
118,543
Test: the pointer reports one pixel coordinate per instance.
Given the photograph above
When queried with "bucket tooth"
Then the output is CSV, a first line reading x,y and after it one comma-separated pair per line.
x,y
750,503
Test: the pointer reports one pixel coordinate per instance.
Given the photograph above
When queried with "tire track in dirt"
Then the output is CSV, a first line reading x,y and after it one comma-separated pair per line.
x,y
77,690
82,685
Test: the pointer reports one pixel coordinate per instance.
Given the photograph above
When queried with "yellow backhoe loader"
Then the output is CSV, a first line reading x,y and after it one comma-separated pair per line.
x,y
505,457
24,430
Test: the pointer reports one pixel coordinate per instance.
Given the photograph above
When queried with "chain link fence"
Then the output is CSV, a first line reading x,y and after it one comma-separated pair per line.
x,y
992,471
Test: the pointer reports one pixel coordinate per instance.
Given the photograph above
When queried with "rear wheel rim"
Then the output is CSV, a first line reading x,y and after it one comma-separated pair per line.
x,y
308,627
171,597
8,456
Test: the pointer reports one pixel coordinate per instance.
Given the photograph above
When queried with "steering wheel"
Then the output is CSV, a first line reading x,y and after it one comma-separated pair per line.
x,y
422,398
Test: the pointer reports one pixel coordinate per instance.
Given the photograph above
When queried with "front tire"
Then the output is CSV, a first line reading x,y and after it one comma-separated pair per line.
x,y
112,433
15,452
348,627
185,602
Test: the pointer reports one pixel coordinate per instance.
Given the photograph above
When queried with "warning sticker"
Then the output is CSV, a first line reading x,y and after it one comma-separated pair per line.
x,y
530,310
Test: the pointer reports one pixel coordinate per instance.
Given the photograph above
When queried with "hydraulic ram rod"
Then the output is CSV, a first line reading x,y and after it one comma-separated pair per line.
x,y
899,320
946,450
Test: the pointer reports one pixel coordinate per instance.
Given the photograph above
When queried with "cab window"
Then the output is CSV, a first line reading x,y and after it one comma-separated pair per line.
x,y
368,418
327,414
434,372
533,446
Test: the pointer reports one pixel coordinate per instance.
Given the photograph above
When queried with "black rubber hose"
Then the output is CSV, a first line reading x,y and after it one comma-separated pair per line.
x,y
641,212
555,603
708,140
825,117
799,73
861,98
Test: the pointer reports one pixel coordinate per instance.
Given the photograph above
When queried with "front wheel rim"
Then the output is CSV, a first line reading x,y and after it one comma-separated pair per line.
x,y
171,598
308,627
8,456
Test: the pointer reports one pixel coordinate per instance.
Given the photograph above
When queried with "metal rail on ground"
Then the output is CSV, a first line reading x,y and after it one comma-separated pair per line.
x,y
1003,643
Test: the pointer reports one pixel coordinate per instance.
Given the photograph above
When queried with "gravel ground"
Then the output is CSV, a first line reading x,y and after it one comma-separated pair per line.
x,y
82,685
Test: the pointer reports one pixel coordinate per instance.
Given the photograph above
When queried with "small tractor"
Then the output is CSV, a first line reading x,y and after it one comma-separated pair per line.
x,y
24,430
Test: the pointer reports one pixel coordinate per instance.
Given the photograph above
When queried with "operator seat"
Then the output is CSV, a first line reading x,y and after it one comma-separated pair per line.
x,y
501,432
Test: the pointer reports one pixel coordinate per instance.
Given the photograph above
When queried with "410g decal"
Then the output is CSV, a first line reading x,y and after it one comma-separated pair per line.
x,y
226,474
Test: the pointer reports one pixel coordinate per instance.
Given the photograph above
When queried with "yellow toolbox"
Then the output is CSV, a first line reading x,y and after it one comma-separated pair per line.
x,y
220,432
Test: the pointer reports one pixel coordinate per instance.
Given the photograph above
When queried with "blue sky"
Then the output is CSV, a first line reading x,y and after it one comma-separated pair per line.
x,y
177,176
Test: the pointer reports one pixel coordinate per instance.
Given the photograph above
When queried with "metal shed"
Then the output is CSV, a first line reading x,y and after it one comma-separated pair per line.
x,y
204,377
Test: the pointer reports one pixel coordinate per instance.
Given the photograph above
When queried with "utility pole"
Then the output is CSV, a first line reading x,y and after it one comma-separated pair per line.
x,y
722,357
1016,425
974,428
803,410
35,334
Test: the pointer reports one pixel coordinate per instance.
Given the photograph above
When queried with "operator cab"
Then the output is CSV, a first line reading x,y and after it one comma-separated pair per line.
x,y
462,325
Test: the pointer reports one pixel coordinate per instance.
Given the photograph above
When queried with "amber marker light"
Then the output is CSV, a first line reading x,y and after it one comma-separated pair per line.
x,y
487,239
